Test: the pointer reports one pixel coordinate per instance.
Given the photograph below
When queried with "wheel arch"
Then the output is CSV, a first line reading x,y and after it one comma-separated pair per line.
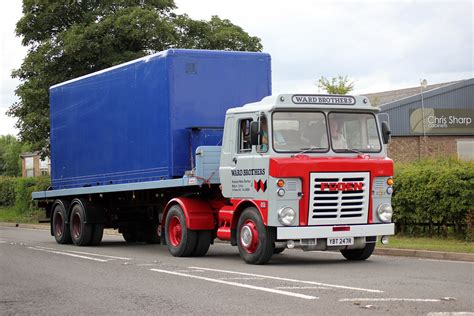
x,y
241,206
199,214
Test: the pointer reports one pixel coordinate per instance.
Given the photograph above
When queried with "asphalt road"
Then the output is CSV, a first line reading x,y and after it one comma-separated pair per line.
x,y
38,276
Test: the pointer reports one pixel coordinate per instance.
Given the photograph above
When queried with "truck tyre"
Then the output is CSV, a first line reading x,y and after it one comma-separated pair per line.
x,y
130,234
204,238
81,232
180,240
97,234
60,229
153,235
359,254
254,240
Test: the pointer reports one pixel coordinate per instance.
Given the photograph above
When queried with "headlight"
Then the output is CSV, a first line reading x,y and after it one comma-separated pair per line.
x,y
287,216
281,192
385,212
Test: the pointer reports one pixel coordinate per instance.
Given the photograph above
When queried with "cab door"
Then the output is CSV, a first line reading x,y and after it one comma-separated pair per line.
x,y
236,169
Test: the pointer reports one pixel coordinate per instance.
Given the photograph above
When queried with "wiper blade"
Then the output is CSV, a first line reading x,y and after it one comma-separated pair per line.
x,y
353,150
306,149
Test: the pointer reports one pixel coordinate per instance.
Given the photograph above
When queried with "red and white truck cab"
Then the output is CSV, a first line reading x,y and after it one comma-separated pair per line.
x,y
307,171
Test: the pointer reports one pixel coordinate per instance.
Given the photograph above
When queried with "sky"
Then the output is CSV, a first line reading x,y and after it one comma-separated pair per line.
x,y
380,45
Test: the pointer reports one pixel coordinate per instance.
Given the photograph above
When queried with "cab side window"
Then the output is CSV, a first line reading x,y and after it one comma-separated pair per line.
x,y
244,136
263,135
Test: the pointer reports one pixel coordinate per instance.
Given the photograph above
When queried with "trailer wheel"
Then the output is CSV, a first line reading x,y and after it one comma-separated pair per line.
x,y
61,230
254,240
153,233
180,240
81,232
97,234
130,235
204,238
359,254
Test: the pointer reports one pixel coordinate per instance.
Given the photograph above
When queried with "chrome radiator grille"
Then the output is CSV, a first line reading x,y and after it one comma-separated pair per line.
x,y
339,198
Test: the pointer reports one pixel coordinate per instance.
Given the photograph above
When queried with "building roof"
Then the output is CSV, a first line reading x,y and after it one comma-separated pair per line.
x,y
30,154
380,98
428,94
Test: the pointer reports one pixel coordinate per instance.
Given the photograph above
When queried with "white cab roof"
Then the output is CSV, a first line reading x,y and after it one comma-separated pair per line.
x,y
307,101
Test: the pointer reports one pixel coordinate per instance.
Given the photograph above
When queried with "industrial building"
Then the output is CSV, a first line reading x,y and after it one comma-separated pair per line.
x,y
433,122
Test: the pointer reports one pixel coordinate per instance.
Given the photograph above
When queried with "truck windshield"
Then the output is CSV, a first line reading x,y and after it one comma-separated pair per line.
x,y
300,131
354,132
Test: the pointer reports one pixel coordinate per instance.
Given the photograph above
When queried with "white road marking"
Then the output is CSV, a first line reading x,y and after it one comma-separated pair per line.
x,y
3,242
67,254
450,314
243,278
445,260
302,288
391,299
258,288
88,253
293,280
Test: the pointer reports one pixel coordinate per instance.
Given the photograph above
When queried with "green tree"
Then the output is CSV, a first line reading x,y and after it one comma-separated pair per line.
x,y
68,38
10,150
337,85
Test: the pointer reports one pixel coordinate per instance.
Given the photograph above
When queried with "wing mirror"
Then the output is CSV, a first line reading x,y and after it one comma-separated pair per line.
x,y
254,133
385,133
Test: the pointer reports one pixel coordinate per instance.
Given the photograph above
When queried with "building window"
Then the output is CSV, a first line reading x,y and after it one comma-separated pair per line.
x,y
29,167
465,149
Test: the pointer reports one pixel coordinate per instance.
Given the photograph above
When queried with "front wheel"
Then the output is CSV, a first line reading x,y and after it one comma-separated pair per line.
x,y
254,240
359,254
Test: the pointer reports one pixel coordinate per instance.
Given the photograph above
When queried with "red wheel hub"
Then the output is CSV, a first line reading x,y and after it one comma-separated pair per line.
x,y
175,231
76,226
58,224
249,236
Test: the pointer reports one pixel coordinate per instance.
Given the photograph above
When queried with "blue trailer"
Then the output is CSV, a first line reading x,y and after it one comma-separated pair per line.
x,y
143,120
127,139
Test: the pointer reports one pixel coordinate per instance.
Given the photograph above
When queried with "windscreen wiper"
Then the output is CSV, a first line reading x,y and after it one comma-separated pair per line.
x,y
354,151
306,149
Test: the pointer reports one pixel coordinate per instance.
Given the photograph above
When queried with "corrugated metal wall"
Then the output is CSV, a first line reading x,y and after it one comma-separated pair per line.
x,y
456,96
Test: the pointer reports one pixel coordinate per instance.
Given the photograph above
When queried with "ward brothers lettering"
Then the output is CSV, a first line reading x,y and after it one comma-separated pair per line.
x,y
323,99
248,172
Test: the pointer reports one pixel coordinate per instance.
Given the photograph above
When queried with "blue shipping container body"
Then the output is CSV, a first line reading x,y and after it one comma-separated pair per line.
x,y
142,120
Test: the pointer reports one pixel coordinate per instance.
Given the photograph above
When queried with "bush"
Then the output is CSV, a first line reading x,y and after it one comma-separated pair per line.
x,y
7,191
23,189
434,194
17,192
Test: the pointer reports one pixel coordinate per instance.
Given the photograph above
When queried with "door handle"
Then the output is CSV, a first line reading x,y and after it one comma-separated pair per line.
x,y
234,160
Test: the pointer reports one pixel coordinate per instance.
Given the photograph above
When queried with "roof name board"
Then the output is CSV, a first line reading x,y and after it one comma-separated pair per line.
x,y
323,99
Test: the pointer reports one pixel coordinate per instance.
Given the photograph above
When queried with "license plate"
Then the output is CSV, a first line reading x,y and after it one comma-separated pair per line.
x,y
341,241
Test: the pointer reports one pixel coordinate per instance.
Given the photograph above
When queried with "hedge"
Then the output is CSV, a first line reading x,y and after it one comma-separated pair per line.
x,y
434,197
16,192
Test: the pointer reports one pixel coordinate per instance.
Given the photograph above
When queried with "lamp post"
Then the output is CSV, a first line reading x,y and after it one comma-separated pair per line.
x,y
423,84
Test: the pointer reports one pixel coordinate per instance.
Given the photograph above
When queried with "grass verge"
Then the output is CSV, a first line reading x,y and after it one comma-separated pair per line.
x,y
432,244
11,215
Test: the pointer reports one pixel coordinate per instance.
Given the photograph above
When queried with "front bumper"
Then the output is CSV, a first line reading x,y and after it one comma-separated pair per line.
x,y
312,232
